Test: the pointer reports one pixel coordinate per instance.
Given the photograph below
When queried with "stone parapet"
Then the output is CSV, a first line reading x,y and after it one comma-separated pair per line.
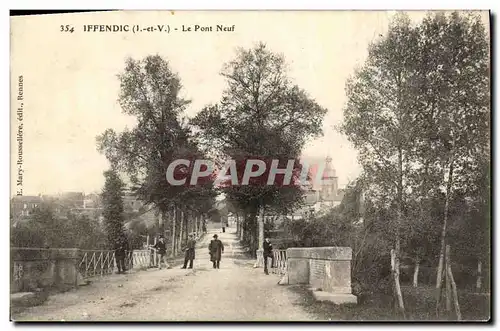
x,y
326,269
321,253
40,268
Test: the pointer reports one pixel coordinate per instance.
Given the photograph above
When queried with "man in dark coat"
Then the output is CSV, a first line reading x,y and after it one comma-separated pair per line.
x,y
190,252
268,253
120,252
161,250
216,248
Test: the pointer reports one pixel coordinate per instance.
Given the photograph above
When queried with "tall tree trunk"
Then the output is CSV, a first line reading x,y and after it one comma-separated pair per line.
x,y
397,250
174,220
181,231
188,222
261,228
441,270
478,280
445,224
447,279
415,272
196,219
397,283
165,220
455,293
237,226
251,231
185,221
397,288
188,226
243,227
161,222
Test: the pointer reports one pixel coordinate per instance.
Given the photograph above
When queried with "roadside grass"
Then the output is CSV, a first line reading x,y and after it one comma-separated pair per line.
x,y
419,305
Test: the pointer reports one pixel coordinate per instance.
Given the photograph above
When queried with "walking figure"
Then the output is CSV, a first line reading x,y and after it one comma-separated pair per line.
x,y
120,253
268,253
161,250
204,226
190,252
216,248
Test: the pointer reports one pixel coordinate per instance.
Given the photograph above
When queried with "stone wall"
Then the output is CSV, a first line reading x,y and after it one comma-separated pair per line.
x,y
326,269
33,268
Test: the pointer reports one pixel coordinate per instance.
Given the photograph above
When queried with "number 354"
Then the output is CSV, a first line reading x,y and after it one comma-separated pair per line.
x,y
67,28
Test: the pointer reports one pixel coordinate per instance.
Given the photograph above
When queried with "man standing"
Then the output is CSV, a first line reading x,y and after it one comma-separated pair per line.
x,y
216,248
120,252
161,250
190,252
268,253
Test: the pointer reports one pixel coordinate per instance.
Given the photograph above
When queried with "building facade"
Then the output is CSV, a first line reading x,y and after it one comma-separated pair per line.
x,y
321,198
23,206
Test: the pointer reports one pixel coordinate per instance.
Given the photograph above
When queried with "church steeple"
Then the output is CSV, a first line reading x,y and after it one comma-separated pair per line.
x,y
329,172
329,181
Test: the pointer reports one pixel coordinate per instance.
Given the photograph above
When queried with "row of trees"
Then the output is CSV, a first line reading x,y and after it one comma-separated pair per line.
x,y
418,113
261,113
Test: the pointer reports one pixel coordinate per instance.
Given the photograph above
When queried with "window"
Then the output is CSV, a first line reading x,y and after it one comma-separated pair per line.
x,y
25,206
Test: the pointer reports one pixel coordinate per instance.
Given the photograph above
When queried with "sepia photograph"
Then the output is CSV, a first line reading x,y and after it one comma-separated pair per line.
x,y
250,166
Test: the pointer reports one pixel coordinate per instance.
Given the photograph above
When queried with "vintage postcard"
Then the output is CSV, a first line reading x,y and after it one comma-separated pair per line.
x,y
250,166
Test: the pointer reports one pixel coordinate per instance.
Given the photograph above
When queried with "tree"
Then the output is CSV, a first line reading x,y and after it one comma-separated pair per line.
x,y
418,113
261,115
150,91
45,228
379,121
113,206
456,80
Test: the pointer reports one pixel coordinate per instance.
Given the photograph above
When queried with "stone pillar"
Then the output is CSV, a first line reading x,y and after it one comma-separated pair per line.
x,y
297,266
326,269
261,229
260,251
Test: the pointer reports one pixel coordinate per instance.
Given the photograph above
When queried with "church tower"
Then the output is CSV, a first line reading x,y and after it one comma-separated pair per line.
x,y
329,182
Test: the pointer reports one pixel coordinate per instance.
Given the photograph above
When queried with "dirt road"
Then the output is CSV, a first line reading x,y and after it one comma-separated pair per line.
x,y
235,292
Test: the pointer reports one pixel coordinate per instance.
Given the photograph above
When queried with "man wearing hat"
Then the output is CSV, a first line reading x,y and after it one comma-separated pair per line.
x,y
190,252
121,248
216,248
161,249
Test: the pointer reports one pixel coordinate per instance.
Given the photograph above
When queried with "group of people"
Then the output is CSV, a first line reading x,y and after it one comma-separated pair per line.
x,y
215,248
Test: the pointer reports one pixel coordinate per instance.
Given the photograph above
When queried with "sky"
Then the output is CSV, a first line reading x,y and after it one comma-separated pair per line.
x,y
70,84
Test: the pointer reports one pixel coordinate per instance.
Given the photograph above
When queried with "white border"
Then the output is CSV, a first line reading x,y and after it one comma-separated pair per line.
x,y
185,4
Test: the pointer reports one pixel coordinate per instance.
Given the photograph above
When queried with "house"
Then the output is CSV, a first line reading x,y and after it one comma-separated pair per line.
x,y
92,200
23,206
72,199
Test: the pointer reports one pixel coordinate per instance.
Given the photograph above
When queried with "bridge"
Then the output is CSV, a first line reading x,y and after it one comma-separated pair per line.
x,y
235,292
238,291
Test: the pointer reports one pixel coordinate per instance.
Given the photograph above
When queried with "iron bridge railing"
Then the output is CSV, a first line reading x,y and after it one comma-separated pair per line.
x,y
102,262
277,264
